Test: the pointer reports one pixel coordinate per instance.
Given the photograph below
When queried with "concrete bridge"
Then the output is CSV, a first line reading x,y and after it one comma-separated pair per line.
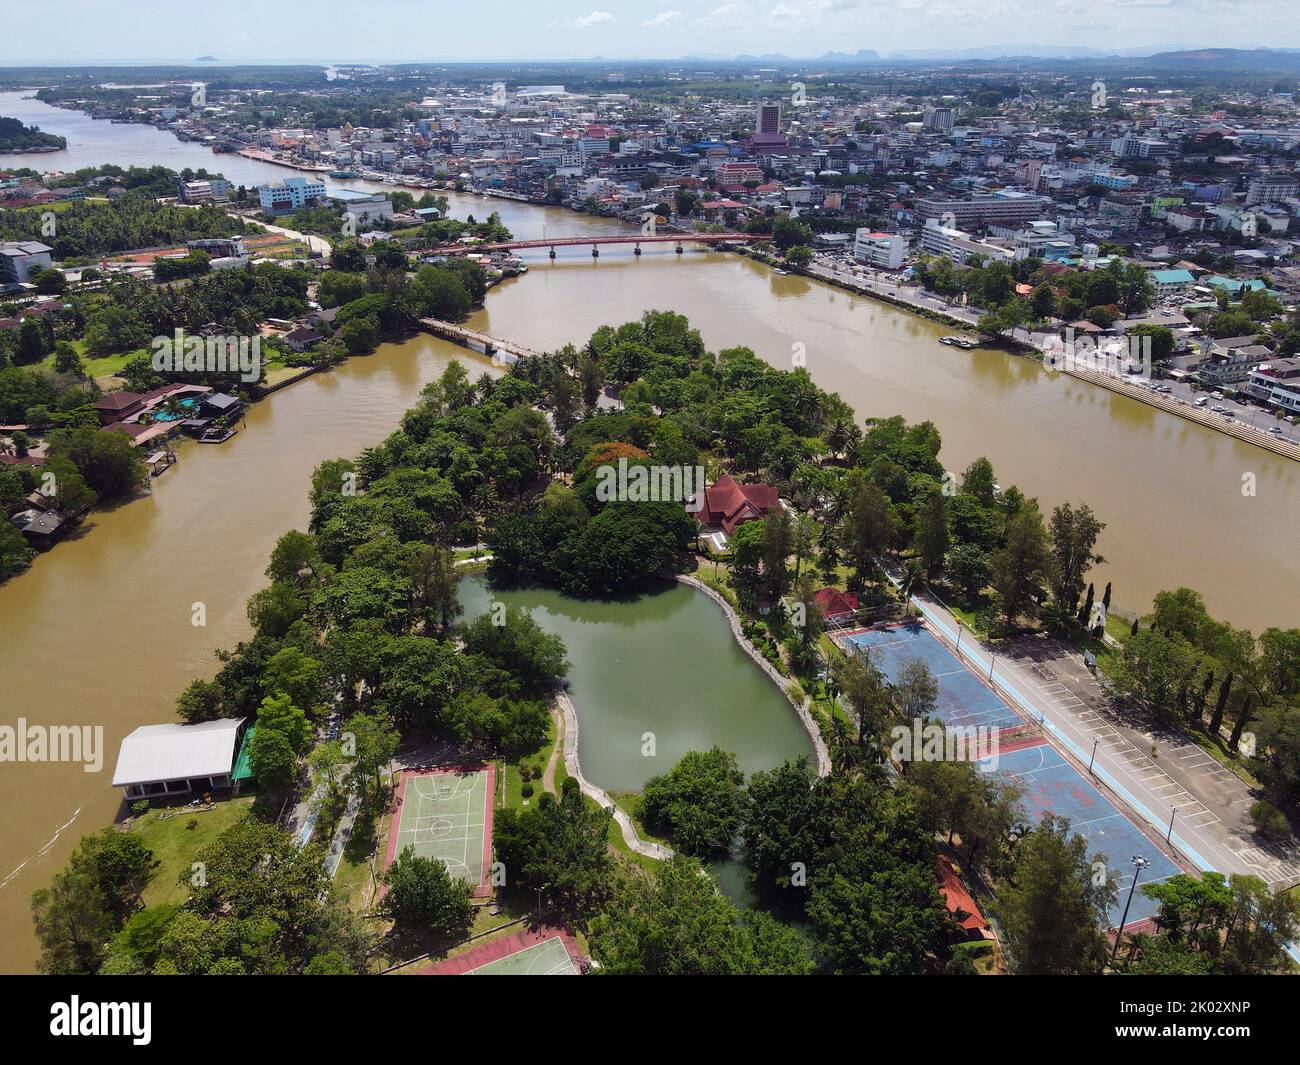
x,y
500,350
635,239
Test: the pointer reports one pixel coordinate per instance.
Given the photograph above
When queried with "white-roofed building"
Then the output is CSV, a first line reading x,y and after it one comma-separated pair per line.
x,y
160,760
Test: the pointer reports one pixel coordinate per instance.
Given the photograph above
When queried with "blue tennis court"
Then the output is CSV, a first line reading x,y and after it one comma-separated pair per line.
x,y
1052,785
964,699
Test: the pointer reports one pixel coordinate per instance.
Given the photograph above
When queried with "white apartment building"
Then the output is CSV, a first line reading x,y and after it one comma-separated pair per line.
x,y
883,250
958,245
1277,383
289,194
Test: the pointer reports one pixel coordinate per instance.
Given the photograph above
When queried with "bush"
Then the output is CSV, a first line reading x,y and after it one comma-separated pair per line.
x,y
526,791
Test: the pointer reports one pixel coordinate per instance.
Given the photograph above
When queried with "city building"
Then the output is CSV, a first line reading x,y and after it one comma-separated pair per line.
x,y
983,210
290,194
364,207
1277,383
19,258
958,245
883,250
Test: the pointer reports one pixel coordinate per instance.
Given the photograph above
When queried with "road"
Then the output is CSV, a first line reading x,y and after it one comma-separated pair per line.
x,y
1076,725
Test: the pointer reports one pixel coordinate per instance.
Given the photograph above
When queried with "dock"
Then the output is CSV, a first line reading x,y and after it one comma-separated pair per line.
x,y
494,347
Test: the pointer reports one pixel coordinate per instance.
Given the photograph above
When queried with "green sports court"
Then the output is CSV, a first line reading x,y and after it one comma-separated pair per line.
x,y
446,813
543,950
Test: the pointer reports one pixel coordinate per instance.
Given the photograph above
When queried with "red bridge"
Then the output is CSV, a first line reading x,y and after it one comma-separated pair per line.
x,y
636,239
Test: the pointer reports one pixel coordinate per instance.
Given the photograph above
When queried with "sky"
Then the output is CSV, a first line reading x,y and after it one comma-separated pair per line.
x,y
377,31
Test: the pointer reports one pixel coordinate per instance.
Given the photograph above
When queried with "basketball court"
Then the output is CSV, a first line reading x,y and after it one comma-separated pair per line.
x,y
1052,785
964,699
447,814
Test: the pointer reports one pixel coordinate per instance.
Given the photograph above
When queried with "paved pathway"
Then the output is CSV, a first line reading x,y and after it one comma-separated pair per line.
x,y
641,846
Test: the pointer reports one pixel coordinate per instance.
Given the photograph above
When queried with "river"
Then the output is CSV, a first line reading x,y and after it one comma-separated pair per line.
x,y
98,631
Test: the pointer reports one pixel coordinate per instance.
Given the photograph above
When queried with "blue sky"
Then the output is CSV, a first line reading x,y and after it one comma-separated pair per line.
x,y
409,30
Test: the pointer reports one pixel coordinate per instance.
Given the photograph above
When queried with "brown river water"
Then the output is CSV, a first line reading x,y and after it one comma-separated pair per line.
x,y
99,630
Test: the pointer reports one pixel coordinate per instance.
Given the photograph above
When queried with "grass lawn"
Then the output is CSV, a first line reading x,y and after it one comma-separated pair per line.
x,y
175,844
103,366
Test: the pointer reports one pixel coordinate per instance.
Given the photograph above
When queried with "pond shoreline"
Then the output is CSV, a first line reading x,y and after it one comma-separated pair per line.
x,y
800,708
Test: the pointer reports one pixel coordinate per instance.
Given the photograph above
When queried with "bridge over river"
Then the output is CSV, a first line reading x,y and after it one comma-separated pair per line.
x,y
595,240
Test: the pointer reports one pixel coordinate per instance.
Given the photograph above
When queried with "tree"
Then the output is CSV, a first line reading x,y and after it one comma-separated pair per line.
x,y
1053,908
272,758
915,692
558,848
870,529
422,894
699,803
518,644
969,569
1021,565
1074,535
90,900
931,538
278,714
201,701
435,597
1154,672
676,923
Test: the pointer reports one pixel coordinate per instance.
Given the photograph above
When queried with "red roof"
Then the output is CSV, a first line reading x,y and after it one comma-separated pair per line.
x,y
961,904
728,503
835,603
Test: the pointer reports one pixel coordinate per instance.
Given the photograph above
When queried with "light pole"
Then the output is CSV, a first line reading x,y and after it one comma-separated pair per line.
x,y
992,658
1139,863
1096,740
1169,835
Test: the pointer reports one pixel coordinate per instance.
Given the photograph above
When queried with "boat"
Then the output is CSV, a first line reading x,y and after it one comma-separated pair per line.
x,y
344,174
958,342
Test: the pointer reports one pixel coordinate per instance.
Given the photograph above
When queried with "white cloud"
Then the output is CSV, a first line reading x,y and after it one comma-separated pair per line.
x,y
727,17
596,18
663,19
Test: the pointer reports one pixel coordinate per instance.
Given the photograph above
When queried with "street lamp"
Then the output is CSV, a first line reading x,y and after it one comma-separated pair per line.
x,y
1139,863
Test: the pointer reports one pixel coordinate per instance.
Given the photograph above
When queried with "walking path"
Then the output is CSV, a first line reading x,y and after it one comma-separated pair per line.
x,y
641,846
548,774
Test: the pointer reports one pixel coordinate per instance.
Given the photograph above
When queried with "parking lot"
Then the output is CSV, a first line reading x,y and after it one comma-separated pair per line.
x,y
1182,777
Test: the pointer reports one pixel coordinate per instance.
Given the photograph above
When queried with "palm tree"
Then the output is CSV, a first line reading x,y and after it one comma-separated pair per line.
x,y
912,579
1058,618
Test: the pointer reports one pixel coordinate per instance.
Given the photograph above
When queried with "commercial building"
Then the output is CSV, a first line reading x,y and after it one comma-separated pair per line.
x,y
983,210
364,207
883,250
1271,188
958,245
1277,383
290,194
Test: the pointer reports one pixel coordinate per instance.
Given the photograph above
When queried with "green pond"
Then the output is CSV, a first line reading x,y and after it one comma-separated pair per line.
x,y
653,678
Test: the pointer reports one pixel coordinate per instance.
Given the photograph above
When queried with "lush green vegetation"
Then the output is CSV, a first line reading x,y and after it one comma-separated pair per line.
x,y
15,137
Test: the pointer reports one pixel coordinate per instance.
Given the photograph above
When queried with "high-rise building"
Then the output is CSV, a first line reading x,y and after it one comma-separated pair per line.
x,y
939,118
768,120
767,126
